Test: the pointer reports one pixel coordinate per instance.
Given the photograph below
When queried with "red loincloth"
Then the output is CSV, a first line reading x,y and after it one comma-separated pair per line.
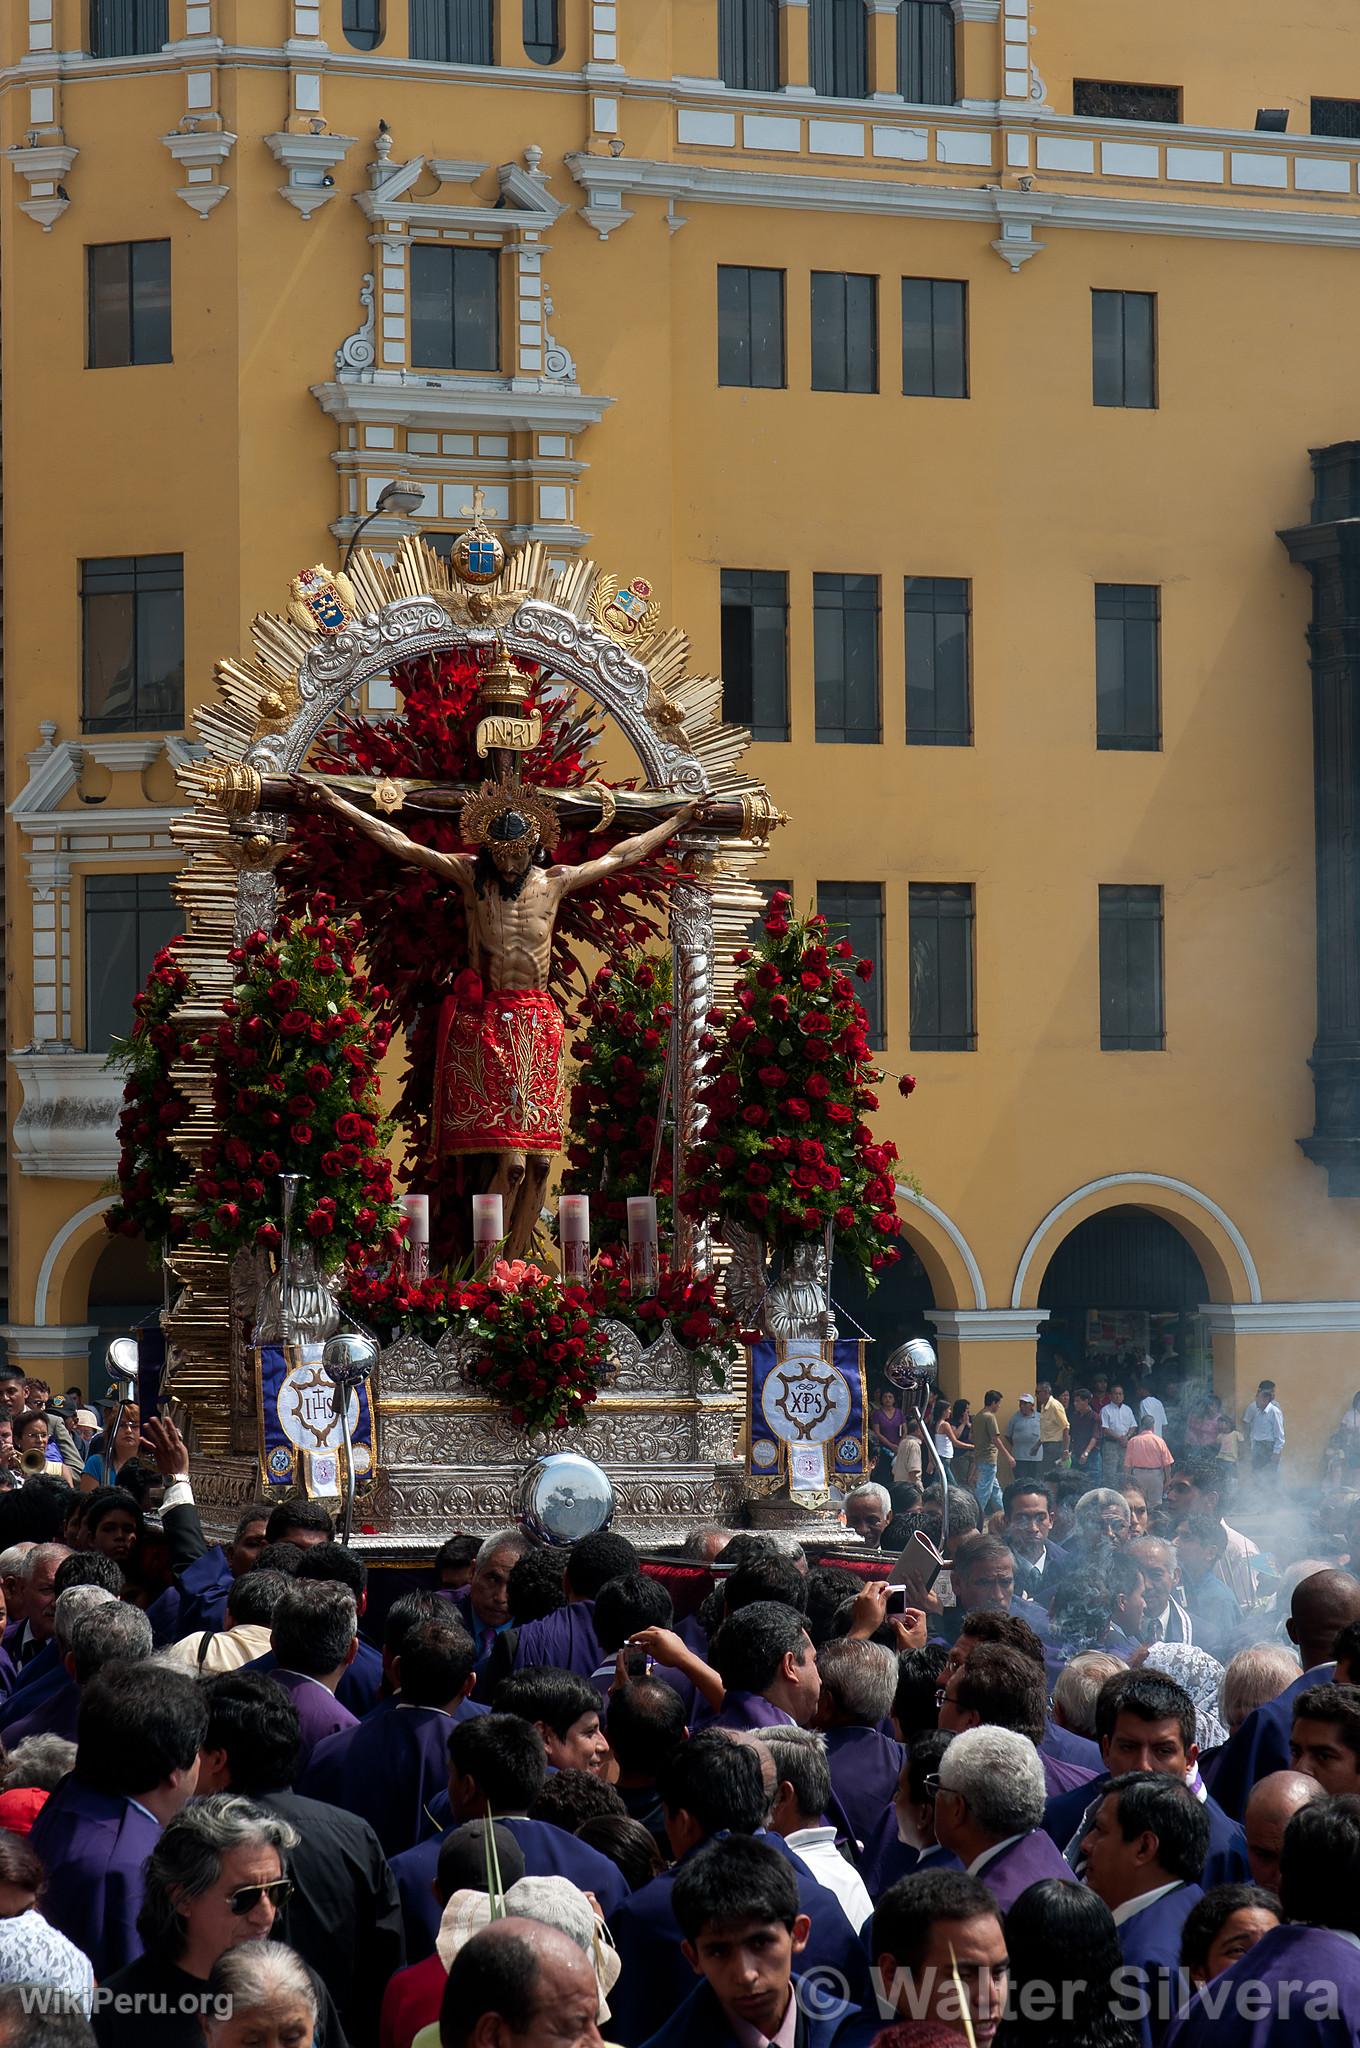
x,y
498,1073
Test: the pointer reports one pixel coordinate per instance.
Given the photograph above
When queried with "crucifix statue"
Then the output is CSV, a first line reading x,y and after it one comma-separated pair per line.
x,y
498,1073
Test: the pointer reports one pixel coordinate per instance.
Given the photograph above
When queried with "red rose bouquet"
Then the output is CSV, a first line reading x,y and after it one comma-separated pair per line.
x,y
541,1355
788,1084
295,1087
149,1169
688,1303
622,1026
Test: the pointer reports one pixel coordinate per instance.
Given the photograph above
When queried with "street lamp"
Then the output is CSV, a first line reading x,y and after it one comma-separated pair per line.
x,y
401,495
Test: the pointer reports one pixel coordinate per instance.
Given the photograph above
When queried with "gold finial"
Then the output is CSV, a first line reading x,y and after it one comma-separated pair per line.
x,y
477,556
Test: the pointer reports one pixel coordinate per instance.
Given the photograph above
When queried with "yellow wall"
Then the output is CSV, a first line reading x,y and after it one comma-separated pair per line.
x,y
1025,488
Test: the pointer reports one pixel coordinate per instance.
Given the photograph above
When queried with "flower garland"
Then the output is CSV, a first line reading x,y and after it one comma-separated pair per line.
x,y
295,1090
542,1355
622,1026
415,934
690,1304
788,1082
149,1169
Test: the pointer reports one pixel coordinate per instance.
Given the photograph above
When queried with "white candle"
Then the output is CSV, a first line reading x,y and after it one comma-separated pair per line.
x,y
488,1224
416,1209
642,1244
573,1231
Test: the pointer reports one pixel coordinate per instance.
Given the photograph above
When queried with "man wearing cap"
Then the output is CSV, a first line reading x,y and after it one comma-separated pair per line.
x,y
1263,1428
1024,1439
498,1065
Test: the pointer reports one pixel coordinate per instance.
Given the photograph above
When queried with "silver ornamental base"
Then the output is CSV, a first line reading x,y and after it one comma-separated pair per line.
x,y
449,1459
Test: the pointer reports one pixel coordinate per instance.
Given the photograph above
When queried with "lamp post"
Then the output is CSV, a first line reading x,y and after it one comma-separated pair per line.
x,y
401,495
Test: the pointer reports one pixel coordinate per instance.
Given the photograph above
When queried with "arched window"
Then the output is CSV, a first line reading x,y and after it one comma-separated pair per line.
x,y
453,31
925,52
362,21
748,44
128,28
542,31
839,49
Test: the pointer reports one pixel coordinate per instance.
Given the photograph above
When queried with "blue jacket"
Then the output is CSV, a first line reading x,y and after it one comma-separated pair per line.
x,y
1260,1746
1151,1943
94,1847
701,2022
865,1767
387,1771
1227,1859
548,1852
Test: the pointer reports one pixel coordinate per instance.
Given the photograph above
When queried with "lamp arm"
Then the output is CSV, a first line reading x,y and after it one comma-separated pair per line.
x,y
353,541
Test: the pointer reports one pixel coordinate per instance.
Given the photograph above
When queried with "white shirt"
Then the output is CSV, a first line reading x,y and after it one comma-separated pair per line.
x,y
1151,1409
1144,1899
1264,1425
816,1850
228,1648
1121,1418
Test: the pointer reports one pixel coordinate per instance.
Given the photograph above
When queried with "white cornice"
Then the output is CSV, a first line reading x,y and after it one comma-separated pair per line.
x,y
738,185
1271,1318
461,405
989,1325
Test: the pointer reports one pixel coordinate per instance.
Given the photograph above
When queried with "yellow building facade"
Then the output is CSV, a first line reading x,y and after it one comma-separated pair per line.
x,y
949,368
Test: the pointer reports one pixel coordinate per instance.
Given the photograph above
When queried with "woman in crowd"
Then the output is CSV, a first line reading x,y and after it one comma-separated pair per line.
x,y
100,1468
33,1440
1063,1937
260,1995
886,1424
1223,1925
31,1952
953,1438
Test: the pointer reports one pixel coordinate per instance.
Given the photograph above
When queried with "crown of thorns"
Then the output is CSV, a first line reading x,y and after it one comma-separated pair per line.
x,y
507,810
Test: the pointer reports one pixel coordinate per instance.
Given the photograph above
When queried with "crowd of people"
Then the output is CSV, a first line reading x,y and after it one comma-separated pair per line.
x,y
1098,1785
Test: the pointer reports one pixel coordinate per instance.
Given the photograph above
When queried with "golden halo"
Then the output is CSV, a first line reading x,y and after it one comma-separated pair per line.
x,y
493,799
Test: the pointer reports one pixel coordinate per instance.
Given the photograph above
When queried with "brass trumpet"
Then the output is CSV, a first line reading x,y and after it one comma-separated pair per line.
x,y
33,1462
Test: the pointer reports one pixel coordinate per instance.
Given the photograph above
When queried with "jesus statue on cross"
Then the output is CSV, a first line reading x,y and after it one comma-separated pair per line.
x,y
498,1071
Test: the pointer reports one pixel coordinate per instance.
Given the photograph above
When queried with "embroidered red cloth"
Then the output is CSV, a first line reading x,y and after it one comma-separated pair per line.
x,y
498,1073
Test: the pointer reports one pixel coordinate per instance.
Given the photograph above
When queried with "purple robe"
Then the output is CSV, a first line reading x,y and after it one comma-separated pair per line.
x,y
1260,1746
750,1710
1060,1776
548,1852
37,1681
58,1714
386,1770
1021,1864
701,2022
1150,1942
1070,1748
197,1599
865,1767
1226,1862
655,1978
885,1858
94,1847
1287,1955
319,1712
362,1683
564,1639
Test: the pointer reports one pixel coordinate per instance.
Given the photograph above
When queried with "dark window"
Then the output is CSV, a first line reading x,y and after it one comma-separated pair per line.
x,y
925,52
845,659
941,942
748,44
1124,348
750,326
1101,100
839,48
937,645
1128,695
934,337
127,303
1131,1011
755,650
542,31
453,31
1336,117
133,631
362,22
128,28
854,910
128,918
455,308
844,331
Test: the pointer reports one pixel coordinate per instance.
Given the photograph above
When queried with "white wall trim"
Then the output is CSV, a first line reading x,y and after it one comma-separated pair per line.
x,y
956,1238
1265,1318
1137,1180
68,1230
989,1326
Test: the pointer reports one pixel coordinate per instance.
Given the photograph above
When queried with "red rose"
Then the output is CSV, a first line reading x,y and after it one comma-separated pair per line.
x,y
771,1077
813,1219
349,1126
318,1078
301,1134
777,927
845,1219
812,981
907,1085
228,1215
797,1109
268,1237
295,1023
864,969
754,1114
768,975
779,1008
837,1112
759,1206
268,1162
818,1087
758,1174
366,1220
886,1221
810,1152
844,950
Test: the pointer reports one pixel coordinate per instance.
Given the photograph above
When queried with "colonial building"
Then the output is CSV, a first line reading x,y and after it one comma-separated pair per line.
x,y
950,368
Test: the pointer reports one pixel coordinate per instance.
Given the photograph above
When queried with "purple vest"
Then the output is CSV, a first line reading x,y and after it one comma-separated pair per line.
x,y
94,1847
564,1639
386,1771
1022,1864
750,1710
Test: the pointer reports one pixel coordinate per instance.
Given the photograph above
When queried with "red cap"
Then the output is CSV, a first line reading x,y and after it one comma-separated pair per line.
x,y
20,1808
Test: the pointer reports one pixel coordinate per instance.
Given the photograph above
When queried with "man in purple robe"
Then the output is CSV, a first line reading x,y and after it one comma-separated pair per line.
x,y
497,1767
136,1765
765,1659
313,1634
714,1785
859,1683
331,1563
982,1574
1322,1605
905,1840
203,1571
92,1630
1146,1722
29,1640
1144,1852
1300,1982
989,1806
991,1685
566,1638
389,1768
484,1603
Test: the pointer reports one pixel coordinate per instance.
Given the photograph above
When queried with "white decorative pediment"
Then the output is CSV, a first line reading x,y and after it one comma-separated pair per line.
x,y
67,1127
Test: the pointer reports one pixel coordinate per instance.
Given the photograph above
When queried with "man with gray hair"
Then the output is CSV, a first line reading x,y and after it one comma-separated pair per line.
x,y
1165,1619
868,1511
25,1640
92,1629
989,1808
703,1543
859,1684
1077,1688
802,1796
484,1603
